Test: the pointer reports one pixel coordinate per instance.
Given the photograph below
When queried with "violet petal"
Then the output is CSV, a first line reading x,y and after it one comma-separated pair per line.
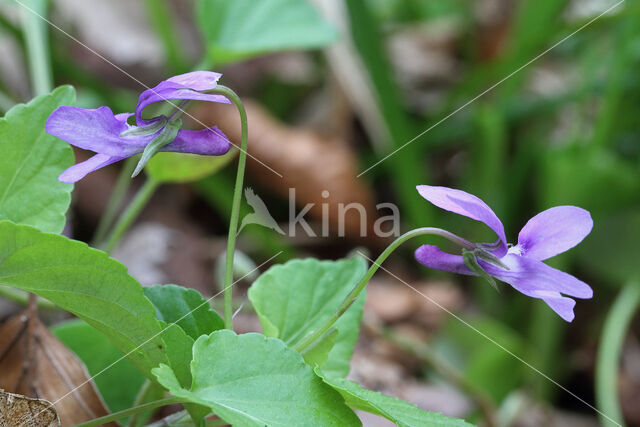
x,y
561,305
210,142
96,130
197,80
181,87
529,275
80,170
554,231
431,256
466,204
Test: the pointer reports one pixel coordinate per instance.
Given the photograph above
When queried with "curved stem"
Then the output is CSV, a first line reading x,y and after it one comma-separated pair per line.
x,y
131,411
235,207
131,213
353,295
607,364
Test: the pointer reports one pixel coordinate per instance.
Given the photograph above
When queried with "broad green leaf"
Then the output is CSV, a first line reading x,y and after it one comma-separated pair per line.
x,y
31,162
295,298
252,380
240,29
120,381
180,167
186,307
87,283
402,413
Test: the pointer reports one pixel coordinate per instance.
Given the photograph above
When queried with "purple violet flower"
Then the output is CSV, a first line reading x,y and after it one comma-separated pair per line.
x,y
113,139
545,235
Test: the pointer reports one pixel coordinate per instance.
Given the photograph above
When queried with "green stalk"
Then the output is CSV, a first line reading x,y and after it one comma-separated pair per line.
x,y
131,213
35,30
131,411
235,207
149,392
611,341
115,200
353,295
21,297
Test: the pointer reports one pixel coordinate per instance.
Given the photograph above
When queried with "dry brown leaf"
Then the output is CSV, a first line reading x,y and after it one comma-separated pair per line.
x,y
309,162
34,363
17,410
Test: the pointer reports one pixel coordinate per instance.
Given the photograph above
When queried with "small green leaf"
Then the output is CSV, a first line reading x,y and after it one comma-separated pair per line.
x,y
31,162
179,167
178,347
87,283
165,137
241,29
186,307
295,298
402,413
120,381
252,380
318,353
472,264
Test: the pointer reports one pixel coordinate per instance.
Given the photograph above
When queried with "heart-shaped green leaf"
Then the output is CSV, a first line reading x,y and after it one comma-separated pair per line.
x,y
252,380
31,162
87,283
241,29
296,298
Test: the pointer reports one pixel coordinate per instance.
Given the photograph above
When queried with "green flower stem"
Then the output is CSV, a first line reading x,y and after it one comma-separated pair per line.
x,y
122,186
149,392
131,213
131,411
115,201
22,298
607,364
353,295
235,207
35,30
